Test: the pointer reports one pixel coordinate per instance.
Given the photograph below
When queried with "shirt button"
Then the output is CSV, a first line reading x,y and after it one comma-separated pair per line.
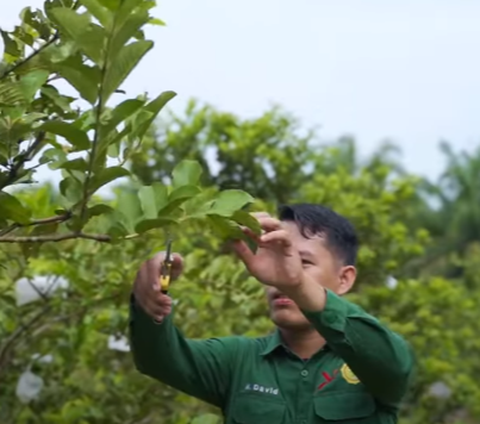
x,y
304,373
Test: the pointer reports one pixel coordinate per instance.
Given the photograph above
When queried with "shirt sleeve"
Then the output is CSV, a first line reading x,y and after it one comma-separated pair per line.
x,y
199,368
381,359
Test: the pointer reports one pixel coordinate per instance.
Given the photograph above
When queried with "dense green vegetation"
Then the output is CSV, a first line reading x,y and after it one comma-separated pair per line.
x,y
424,235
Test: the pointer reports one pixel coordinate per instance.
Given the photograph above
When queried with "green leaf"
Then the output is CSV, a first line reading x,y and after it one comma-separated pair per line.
x,y
248,220
229,230
176,198
129,206
198,206
121,112
32,117
128,30
89,37
77,164
75,223
127,7
11,132
160,192
118,225
99,209
99,11
122,64
36,20
230,201
10,45
10,93
32,82
156,21
110,139
226,228
12,209
62,102
83,78
147,199
150,224
107,175
187,172
72,190
74,135
111,5
153,109
183,193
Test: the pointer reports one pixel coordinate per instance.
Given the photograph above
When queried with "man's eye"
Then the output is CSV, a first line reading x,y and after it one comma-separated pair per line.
x,y
305,262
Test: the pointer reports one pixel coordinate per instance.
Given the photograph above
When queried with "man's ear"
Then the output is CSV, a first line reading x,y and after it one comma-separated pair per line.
x,y
347,277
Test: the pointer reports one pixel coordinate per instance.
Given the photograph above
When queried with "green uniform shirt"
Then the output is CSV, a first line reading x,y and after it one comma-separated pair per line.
x,y
359,377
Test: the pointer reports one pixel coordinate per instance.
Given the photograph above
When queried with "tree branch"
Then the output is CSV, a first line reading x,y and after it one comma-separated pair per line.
x,y
22,158
96,137
52,40
30,56
43,221
55,238
91,162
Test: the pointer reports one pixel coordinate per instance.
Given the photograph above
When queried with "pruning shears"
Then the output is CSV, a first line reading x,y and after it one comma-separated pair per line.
x,y
166,269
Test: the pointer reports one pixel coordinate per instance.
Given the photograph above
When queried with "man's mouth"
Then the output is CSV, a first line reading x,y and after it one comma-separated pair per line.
x,y
281,300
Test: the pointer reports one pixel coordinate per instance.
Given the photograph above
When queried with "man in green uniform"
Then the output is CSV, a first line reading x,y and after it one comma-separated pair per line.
x,y
327,361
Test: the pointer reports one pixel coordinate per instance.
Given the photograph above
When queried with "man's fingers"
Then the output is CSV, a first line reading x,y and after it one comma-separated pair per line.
x,y
154,267
259,215
177,265
267,223
279,236
158,304
146,287
247,231
156,262
157,311
270,224
243,252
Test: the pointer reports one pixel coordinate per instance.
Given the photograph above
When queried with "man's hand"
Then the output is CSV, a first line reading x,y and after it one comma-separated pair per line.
x,y
146,287
277,262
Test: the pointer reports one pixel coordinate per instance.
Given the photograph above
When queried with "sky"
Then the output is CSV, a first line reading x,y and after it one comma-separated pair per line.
x,y
408,70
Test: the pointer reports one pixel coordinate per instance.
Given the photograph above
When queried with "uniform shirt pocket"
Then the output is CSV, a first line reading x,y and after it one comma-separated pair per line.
x,y
257,409
344,406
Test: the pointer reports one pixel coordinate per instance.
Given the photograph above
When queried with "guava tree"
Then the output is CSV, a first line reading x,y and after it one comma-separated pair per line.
x,y
93,46
62,106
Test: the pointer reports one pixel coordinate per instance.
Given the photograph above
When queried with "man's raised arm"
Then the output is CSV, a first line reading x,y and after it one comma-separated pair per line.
x,y
200,368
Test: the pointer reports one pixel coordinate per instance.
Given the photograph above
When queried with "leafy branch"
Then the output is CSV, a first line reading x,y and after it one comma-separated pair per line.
x,y
23,62
96,46
54,238
44,221
23,158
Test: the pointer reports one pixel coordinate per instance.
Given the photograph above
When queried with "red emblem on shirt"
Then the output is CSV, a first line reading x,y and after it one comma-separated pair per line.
x,y
327,378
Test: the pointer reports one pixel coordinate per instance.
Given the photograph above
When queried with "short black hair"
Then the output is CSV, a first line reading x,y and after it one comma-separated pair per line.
x,y
313,219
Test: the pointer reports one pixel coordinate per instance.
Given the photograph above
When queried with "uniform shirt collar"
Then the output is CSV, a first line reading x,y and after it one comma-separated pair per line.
x,y
274,341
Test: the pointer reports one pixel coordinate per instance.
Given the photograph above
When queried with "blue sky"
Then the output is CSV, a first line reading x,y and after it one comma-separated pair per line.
x,y
405,70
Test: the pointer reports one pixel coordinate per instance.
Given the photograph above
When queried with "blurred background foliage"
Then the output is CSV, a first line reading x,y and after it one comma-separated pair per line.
x,y
418,271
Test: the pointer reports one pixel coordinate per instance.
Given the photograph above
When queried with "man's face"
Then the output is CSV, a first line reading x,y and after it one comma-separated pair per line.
x,y
319,263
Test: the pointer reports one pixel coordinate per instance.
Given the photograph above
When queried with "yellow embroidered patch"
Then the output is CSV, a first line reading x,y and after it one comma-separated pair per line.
x,y
348,375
